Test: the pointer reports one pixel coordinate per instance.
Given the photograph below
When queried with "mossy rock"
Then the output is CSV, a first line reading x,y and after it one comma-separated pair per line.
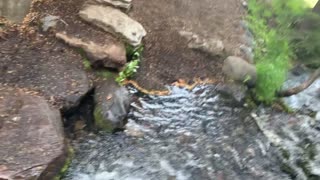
x,y
100,122
112,104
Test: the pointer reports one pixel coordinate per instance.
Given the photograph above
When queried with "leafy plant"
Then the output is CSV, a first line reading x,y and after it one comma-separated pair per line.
x,y
131,68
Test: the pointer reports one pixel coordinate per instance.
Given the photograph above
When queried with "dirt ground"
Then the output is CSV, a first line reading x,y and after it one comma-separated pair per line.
x,y
166,57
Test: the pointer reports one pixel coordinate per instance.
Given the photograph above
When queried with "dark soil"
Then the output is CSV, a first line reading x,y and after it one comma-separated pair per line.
x,y
166,57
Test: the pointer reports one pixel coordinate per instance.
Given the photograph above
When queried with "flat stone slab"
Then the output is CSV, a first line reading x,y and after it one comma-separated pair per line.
x,y
107,55
31,136
124,4
114,21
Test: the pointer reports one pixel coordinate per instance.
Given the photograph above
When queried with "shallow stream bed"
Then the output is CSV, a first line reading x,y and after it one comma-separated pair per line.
x,y
199,134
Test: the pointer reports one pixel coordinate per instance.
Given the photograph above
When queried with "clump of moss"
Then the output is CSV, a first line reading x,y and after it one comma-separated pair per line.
x,y
100,122
134,55
70,154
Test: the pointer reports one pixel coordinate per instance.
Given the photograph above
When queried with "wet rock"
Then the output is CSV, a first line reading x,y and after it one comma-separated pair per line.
x,y
107,55
240,70
111,106
124,4
213,47
31,135
307,100
114,21
235,90
49,21
297,137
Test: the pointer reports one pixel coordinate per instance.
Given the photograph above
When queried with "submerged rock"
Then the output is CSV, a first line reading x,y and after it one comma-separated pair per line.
x,y
240,70
31,135
114,21
105,55
111,106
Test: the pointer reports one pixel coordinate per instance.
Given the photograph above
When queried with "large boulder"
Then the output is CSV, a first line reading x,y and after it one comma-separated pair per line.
x,y
114,21
31,135
240,70
112,104
49,68
107,55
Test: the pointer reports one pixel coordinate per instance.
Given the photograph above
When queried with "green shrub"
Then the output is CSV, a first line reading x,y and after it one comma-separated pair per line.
x,y
271,26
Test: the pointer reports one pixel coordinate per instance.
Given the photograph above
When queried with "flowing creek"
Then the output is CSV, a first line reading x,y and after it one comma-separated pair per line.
x,y
14,10
197,134
206,133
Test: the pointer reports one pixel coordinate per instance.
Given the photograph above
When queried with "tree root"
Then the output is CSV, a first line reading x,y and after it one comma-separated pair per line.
x,y
301,87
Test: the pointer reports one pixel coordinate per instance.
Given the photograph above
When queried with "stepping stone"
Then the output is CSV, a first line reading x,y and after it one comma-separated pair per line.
x,y
114,21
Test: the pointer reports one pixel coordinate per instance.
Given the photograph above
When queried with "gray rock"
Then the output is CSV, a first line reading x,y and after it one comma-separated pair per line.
x,y
247,53
114,21
50,69
240,70
213,47
49,21
31,135
112,104
237,91
107,55
15,10
124,4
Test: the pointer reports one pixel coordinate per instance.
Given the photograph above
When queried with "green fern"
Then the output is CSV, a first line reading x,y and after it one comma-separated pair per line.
x,y
131,68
